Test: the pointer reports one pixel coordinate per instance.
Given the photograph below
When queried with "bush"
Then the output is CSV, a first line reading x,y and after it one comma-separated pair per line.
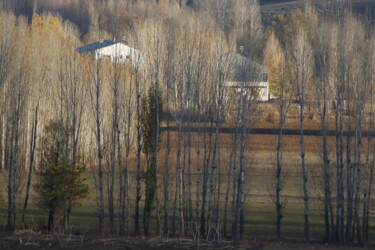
x,y
60,183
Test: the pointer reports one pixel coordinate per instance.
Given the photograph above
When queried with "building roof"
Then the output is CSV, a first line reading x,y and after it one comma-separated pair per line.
x,y
238,62
95,46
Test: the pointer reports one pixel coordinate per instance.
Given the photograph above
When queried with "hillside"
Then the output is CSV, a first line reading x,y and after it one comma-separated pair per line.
x,y
270,8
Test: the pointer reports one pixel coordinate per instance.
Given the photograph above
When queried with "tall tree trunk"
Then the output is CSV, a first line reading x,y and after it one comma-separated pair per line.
x,y
304,174
180,184
339,164
358,177
349,177
328,208
198,153
34,133
234,175
283,108
139,148
50,223
368,172
214,152
278,204
115,146
157,135
97,96
231,174
190,202
125,205
206,157
10,188
166,174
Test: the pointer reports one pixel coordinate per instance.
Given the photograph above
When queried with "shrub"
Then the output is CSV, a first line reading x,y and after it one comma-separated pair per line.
x,y
60,183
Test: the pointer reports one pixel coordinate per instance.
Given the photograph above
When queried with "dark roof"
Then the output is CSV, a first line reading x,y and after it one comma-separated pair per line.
x,y
238,62
95,46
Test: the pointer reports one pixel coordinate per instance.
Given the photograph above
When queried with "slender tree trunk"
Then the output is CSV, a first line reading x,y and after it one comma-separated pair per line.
x,y
174,230
366,215
115,141
31,162
125,205
304,174
231,174
283,111
218,194
97,96
369,167
13,162
207,156
349,179
10,190
241,178
239,207
75,104
166,175
215,149
322,95
328,208
366,179
50,224
139,148
158,219
198,153
357,168
278,204
157,135
124,214
2,137
339,162
180,184
234,176
190,202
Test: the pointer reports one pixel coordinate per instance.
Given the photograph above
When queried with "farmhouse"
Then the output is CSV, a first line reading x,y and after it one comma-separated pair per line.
x,y
117,51
247,75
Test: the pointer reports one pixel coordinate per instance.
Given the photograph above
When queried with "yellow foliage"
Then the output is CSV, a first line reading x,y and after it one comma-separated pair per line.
x,y
37,22
55,26
274,59
287,26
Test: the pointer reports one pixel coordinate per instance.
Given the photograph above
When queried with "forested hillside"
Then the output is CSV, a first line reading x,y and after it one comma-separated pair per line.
x,y
164,147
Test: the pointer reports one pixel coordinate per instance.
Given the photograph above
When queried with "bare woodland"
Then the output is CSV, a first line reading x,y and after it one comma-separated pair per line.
x,y
117,119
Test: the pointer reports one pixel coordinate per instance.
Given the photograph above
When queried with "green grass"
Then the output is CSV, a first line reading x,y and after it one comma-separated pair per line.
x,y
259,207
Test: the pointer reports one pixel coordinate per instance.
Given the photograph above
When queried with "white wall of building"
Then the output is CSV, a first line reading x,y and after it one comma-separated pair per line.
x,y
121,53
261,87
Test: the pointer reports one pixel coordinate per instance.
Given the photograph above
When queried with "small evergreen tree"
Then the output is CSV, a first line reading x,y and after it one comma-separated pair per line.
x,y
151,107
60,183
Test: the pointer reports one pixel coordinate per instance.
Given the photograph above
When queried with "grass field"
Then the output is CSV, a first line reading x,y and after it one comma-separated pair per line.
x,y
259,212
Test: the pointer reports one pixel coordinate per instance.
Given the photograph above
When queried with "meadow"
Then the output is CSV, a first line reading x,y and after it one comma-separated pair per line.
x,y
259,206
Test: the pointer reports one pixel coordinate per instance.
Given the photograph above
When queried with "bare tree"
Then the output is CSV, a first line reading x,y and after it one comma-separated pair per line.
x,y
369,167
96,71
128,127
33,139
16,90
73,99
324,86
6,59
299,62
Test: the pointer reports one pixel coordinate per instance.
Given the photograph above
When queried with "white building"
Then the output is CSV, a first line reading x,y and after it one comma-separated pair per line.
x,y
243,74
117,51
